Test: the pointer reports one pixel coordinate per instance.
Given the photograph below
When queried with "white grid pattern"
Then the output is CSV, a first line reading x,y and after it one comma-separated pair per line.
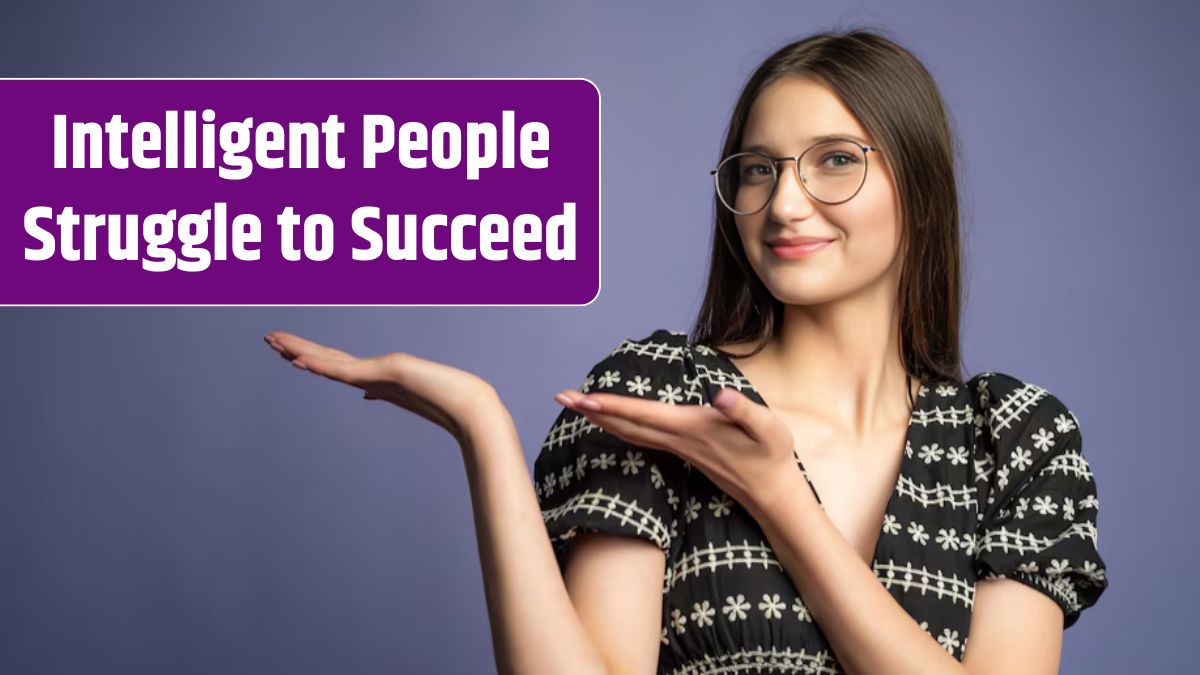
x,y
760,660
628,513
1069,462
1026,543
728,555
908,577
938,495
1012,407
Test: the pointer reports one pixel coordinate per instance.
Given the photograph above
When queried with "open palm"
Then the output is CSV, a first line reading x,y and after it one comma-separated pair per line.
x,y
442,394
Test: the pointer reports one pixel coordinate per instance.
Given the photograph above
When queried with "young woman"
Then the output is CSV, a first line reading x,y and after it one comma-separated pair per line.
x,y
777,503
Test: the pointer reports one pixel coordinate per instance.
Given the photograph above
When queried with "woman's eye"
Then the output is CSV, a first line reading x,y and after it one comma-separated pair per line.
x,y
756,171
840,159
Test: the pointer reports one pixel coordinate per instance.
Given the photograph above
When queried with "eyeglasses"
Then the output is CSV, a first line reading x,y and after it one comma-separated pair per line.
x,y
830,172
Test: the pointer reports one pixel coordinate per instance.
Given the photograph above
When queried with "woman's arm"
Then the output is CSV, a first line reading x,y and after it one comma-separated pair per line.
x,y
616,584
535,626
1020,629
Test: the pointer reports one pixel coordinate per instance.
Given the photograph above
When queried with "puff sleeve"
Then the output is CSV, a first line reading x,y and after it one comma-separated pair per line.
x,y
590,480
1038,501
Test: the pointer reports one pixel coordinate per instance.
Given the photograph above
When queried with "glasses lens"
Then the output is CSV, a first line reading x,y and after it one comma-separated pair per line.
x,y
745,181
833,172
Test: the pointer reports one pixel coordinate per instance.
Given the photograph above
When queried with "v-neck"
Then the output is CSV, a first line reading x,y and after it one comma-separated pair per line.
x,y
890,506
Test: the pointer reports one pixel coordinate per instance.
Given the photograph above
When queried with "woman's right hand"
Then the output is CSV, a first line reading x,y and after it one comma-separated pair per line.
x,y
448,397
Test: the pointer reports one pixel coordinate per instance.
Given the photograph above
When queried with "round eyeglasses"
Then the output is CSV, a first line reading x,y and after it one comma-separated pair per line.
x,y
831,172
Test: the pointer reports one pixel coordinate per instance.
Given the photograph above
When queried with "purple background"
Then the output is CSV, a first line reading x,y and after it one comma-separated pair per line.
x,y
175,499
570,109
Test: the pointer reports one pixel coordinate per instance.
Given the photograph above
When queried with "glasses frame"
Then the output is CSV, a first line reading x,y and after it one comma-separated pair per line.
x,y
775,161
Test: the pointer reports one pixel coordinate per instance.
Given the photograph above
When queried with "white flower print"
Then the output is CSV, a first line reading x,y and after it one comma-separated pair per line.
x,y
720,505
1093,570
1068,509
1059,566
890,524
702,614
908,452
705,350
772,606
922,391
948,639
580,467
656,478
609,379
564,478
946,390
925,626
663,637
918,532
672,499
931,453
968,543
1043,440
638,385
1002,477
678,620
670,394
587,383
982,469
604,460
801,610
1021,459
692,511
1028,567
957,455
631,463
948,539
1022,504
736,608
1064,424
1045,505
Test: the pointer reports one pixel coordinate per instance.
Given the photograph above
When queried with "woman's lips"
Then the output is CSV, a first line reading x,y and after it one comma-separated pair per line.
x,y
798,250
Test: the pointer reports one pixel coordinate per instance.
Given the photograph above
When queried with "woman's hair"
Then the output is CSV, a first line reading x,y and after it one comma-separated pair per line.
x,y
897,101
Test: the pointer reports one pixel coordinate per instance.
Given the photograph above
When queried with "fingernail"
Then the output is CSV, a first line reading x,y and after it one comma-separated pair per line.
x,y
590,404
562,399
725,398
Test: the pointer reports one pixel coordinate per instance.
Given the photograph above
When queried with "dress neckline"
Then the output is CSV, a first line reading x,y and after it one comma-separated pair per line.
x,y
890,507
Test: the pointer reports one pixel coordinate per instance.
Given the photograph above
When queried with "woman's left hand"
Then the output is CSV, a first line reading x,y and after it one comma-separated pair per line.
x,y
743,447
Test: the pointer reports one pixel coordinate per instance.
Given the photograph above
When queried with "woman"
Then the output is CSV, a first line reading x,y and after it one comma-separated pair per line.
x,y
779,505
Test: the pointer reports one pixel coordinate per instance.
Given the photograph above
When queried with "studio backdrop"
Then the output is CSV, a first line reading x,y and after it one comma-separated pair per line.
x,y
176,499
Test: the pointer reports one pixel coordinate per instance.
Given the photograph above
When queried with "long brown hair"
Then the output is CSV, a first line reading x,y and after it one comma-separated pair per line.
x,y
899,104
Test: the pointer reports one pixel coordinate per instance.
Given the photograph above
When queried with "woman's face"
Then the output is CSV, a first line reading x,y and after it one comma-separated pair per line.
x,y
864,231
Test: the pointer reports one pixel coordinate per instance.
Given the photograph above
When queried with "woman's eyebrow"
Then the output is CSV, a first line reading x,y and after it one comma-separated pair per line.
x,y
811,141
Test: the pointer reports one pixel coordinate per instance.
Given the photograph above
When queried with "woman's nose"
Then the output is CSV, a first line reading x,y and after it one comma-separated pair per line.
x,y
790,199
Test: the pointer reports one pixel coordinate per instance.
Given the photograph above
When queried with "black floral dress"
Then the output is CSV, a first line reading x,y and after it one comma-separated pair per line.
x,y
993,483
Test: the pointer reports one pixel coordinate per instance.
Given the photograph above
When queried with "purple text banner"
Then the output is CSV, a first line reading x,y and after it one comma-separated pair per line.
x,y
300,192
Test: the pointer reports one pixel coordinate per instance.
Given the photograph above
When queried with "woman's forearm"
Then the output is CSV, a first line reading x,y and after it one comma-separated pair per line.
x,y
535,628
868,630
